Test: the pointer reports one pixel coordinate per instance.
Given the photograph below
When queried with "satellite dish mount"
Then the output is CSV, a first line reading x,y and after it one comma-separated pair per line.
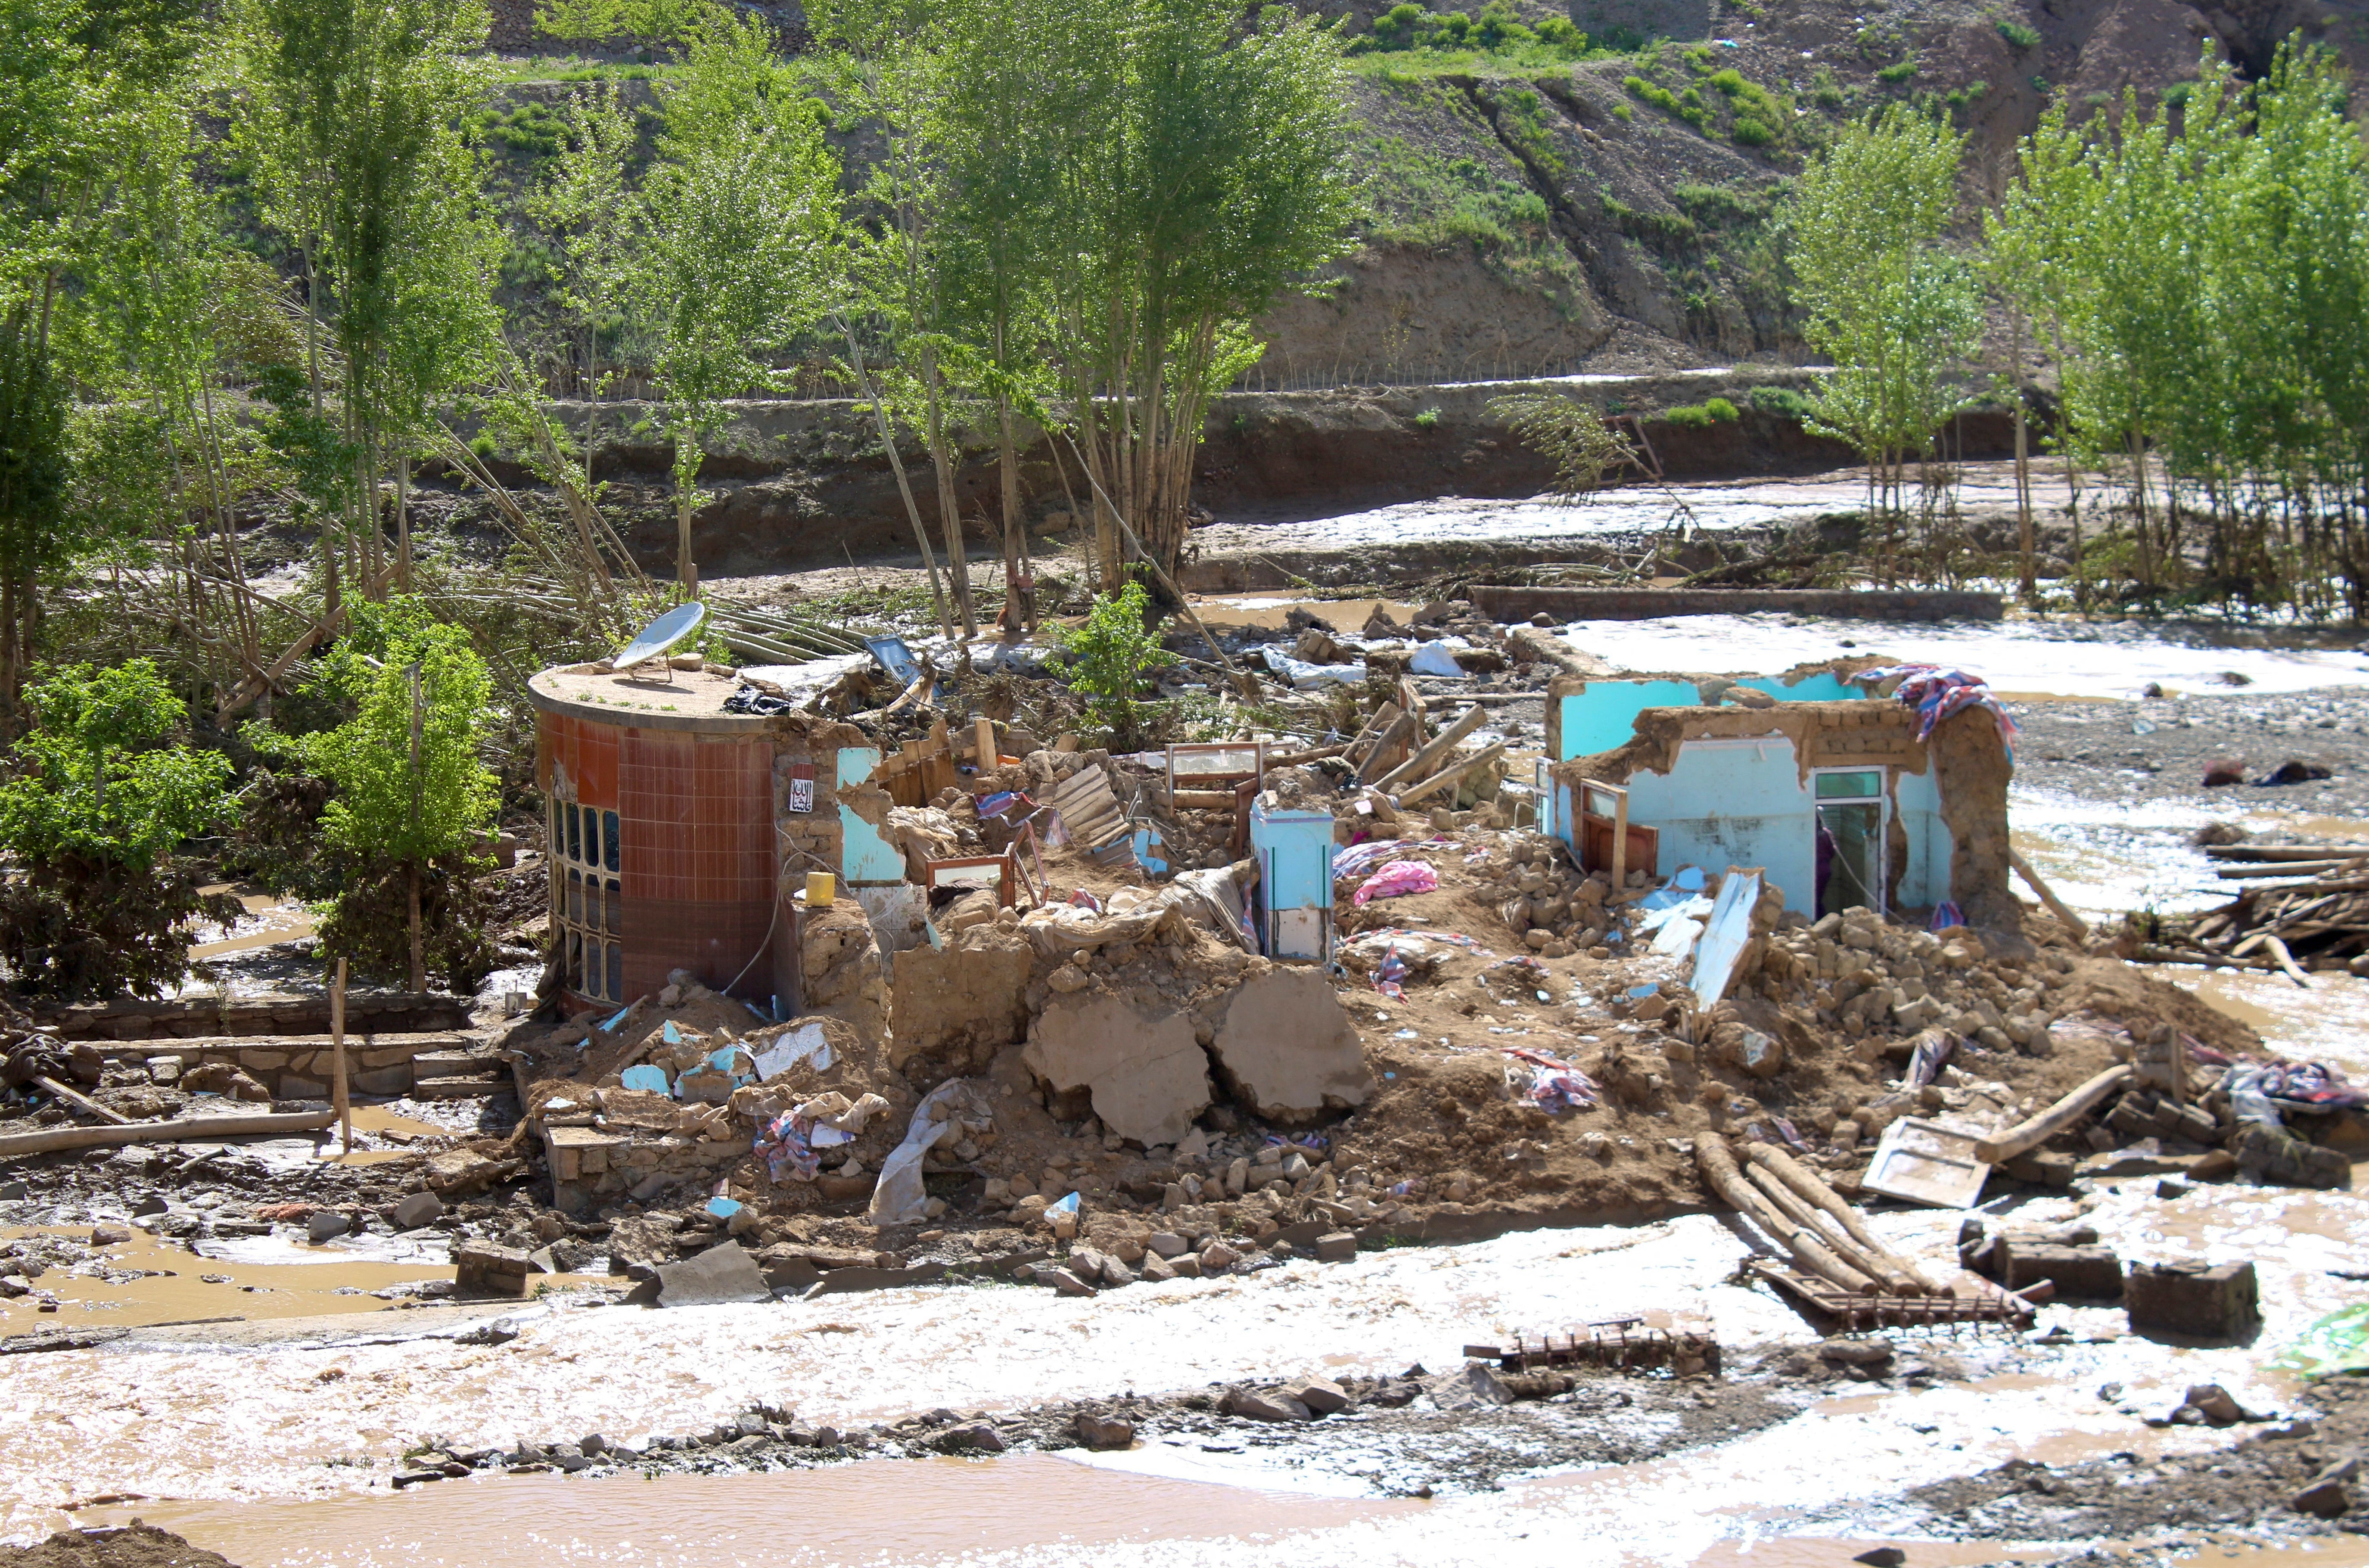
x,y
660,636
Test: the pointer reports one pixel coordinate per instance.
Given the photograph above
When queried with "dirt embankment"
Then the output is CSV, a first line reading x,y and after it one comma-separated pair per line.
x,y
801,484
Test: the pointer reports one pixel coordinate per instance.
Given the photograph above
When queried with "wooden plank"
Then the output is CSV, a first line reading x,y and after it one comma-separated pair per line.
x,y
81,1102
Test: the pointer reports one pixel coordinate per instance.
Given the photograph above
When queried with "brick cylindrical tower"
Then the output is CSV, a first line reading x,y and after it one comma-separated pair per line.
x,y
661,811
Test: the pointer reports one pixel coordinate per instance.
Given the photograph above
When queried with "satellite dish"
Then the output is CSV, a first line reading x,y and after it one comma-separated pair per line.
x,y
661,635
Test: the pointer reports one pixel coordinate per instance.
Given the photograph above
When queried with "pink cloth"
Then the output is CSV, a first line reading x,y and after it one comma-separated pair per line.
x,y
1398,878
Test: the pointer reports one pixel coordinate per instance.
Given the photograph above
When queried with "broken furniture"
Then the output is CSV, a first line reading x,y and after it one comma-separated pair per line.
x,y
1294,898
1620,1344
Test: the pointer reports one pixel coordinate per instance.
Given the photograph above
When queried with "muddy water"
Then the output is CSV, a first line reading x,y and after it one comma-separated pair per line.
x,y
2323,1023
269,919
181,1287
885,1511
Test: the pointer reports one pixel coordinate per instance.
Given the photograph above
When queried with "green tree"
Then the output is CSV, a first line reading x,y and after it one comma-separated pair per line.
x,y
411,791
1897,311
1202,167
737,244
585,202
349,117
95,808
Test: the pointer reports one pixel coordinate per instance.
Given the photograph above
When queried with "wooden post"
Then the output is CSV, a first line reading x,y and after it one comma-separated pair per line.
x,y
988,756
344,1106
2177,1050
1619,836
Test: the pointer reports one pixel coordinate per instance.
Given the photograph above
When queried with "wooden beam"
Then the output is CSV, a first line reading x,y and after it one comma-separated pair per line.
x,y
81,1102
2054,1120
186,1129
1416,766
2070,921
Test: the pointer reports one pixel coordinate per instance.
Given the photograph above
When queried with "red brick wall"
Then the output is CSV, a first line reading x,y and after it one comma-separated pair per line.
x,y
696,818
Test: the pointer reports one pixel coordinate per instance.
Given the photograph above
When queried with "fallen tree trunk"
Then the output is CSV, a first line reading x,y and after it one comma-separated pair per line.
x,y
2054,1120
1718,1164
1814,1190
190,1128
1867,1260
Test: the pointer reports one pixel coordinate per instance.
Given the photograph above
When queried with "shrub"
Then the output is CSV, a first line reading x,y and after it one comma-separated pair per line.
x,y
2017,34
1622,111
1750,132
1562,35
1396,27
2178,94
2040,84
1426,420
94,813
1110,656
1702,416
1825,90
1730,81
1781,401
1899,71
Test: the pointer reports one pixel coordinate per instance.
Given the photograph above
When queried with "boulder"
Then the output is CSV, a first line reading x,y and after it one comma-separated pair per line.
x,y
1147,1075
1105,1431
722,1273
1286,1047
414,1210
1257,1406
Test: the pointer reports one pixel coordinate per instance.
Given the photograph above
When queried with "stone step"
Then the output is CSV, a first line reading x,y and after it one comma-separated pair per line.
x,y
458,1088
458,1064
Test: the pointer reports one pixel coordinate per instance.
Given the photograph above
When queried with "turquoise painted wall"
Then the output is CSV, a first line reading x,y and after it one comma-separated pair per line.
x,y
1745,803
864,854
1603,716
1732,803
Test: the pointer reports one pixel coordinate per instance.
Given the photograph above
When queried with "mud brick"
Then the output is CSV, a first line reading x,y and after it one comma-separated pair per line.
x,y
484,1269
2090,1273
2041,1168
2215,1304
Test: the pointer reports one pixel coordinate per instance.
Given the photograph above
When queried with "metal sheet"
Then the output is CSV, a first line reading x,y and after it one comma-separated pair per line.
x,y
1727,930
661,635
1925,1162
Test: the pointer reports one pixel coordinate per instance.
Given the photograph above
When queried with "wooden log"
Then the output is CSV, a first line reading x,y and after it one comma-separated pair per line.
x,y
341,1103
1401,728
2054,1120
1371,731
2286,851
2065,917
1416,766
81,1102
1813,1189
1892,1277
2286,961
1449,775
2304,868
1718,1165
1301,758
2151,953
187,1129
1202,800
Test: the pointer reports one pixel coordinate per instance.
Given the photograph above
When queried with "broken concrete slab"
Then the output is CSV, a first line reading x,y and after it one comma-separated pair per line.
x,y
849,1281
414,1210
1288,1050
1147,1075
722,1273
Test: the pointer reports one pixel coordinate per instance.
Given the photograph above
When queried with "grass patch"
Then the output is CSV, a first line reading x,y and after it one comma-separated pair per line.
x,y
1781,401
1898,71
1704,415
2017,34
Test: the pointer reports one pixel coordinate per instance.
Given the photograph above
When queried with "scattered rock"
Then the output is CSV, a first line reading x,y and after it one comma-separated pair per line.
x,y
415,1210
2328,1494
1257,1406
2194,1301
1320,1395
1105,1431
722,1273
976,1438
327,1225
1063,1281
2224,771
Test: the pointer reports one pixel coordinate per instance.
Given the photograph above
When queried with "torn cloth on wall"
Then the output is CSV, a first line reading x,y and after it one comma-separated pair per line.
x,y
1936,694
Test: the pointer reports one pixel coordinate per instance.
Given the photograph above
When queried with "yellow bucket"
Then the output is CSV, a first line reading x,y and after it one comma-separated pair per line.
x,y
822,887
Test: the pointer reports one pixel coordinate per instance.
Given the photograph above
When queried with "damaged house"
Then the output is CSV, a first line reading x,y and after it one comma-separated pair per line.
x,y
1844,802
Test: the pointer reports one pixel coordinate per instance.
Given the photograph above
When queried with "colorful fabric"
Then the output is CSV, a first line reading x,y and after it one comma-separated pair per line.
x,y
1555,1084
788,1154
1936,694
1396,880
